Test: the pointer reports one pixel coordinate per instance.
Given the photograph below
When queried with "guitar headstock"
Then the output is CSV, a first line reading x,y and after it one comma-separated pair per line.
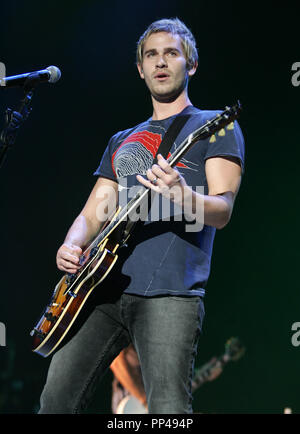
x,y
228,116
234,349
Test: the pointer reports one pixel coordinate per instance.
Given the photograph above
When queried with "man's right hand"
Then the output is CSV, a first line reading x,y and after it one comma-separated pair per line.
x,y
67,258
87,224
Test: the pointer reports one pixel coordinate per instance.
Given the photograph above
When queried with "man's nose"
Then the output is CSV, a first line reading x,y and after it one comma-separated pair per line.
x,y
161,62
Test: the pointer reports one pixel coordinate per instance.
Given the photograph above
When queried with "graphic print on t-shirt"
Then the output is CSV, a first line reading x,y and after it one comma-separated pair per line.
x,y
136,154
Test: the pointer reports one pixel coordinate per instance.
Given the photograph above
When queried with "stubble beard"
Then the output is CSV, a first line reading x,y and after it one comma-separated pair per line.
x,y
174,92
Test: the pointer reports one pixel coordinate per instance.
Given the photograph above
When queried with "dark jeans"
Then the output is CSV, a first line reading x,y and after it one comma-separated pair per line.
x,y
164,332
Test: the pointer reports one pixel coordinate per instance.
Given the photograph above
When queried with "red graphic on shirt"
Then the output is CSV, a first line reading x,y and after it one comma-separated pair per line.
x,y
136,154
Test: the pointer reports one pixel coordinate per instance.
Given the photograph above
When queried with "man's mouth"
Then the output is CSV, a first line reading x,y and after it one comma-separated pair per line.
x,y
161,76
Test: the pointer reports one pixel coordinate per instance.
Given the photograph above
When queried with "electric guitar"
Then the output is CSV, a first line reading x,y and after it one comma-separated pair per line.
x,y
73,290
234,350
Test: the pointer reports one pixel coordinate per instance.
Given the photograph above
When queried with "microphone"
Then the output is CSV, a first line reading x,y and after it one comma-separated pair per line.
x,y
51,75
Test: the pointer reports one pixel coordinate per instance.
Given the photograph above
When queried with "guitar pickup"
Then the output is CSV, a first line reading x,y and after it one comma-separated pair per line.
x,y
94,251
70,278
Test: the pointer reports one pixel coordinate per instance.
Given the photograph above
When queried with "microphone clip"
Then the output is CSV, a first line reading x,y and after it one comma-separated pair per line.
x,y
13,121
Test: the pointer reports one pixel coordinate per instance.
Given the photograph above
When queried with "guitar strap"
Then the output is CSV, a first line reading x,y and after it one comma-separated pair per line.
x,y
170,136
163,149
168,140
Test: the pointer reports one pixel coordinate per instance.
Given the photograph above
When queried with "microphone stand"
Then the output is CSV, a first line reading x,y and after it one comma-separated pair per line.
x,y
14,119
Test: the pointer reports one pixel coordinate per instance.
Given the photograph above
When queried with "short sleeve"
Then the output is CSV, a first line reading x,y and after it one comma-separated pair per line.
x,y
227,142
105,168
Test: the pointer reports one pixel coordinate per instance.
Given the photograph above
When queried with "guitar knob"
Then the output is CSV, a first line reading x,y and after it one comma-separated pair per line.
x,y
50,317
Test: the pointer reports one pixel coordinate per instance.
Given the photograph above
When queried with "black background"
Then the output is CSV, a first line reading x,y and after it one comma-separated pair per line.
x,y
246,52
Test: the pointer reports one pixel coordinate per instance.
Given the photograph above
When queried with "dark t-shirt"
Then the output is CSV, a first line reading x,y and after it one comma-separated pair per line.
x,y
166,257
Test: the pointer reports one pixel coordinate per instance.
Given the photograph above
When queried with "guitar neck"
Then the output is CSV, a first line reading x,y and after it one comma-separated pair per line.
x,y
121,216
197,135
202,374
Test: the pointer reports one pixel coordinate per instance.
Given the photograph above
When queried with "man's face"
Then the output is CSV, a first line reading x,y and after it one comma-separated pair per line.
x,y
164,66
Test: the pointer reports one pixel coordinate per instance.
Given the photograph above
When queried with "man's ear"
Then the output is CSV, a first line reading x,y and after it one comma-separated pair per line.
x,y
192,71
140,69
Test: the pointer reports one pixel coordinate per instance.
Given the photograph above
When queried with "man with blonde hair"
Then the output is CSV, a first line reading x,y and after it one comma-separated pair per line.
x,y
153,298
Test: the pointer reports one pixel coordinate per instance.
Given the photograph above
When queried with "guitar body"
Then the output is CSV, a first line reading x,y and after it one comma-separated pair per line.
x,y
131,405
69,298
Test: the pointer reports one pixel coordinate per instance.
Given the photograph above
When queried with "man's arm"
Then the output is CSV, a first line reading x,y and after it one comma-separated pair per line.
x,y
223,177
100,205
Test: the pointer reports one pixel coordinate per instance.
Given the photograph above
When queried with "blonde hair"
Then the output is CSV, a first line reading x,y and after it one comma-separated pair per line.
x,y
176,27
